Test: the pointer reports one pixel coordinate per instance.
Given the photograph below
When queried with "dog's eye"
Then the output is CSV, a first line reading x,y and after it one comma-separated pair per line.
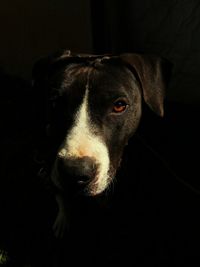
x,y
119,106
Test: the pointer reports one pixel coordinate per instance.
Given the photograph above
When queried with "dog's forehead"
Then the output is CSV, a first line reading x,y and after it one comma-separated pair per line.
x,y
103,80
111,83
73,84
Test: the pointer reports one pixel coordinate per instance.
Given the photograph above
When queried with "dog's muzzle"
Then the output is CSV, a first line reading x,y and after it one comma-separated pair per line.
x,y
76,173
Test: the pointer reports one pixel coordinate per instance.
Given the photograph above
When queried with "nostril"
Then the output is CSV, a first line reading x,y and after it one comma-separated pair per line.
x,y
82,180
86,168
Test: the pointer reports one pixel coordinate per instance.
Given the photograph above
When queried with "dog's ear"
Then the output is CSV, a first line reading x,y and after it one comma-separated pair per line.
x,y
43,66
43,95
151,74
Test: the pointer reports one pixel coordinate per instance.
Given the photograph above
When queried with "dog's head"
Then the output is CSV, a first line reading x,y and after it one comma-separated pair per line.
x,y
93,108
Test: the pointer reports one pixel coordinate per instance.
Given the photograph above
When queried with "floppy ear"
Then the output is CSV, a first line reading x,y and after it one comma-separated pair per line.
x,y
42,67
42,93
150,71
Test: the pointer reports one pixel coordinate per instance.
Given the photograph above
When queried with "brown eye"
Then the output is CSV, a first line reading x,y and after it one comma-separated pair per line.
x,y
119,106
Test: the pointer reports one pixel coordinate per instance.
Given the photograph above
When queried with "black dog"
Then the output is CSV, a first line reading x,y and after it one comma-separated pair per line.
x,y
94,106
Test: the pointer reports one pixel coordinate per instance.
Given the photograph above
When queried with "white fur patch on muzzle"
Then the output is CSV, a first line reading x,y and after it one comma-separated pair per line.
x,y
82,142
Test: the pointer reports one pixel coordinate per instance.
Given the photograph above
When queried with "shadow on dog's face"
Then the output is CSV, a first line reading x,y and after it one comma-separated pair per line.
x,y
94,107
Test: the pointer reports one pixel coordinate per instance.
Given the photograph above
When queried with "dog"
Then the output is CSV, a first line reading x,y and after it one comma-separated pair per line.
x,y
93,107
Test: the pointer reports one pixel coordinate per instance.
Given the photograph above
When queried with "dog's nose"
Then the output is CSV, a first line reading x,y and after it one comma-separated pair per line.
x,y
79,170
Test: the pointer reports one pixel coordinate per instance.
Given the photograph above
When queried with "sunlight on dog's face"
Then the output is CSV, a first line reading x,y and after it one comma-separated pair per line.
x,y
93,108
98,109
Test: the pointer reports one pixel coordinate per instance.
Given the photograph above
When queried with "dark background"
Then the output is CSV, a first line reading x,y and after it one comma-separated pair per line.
x,y
31,29
157,212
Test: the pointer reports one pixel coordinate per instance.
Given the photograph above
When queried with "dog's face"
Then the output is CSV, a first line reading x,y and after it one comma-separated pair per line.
x,y
94,107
